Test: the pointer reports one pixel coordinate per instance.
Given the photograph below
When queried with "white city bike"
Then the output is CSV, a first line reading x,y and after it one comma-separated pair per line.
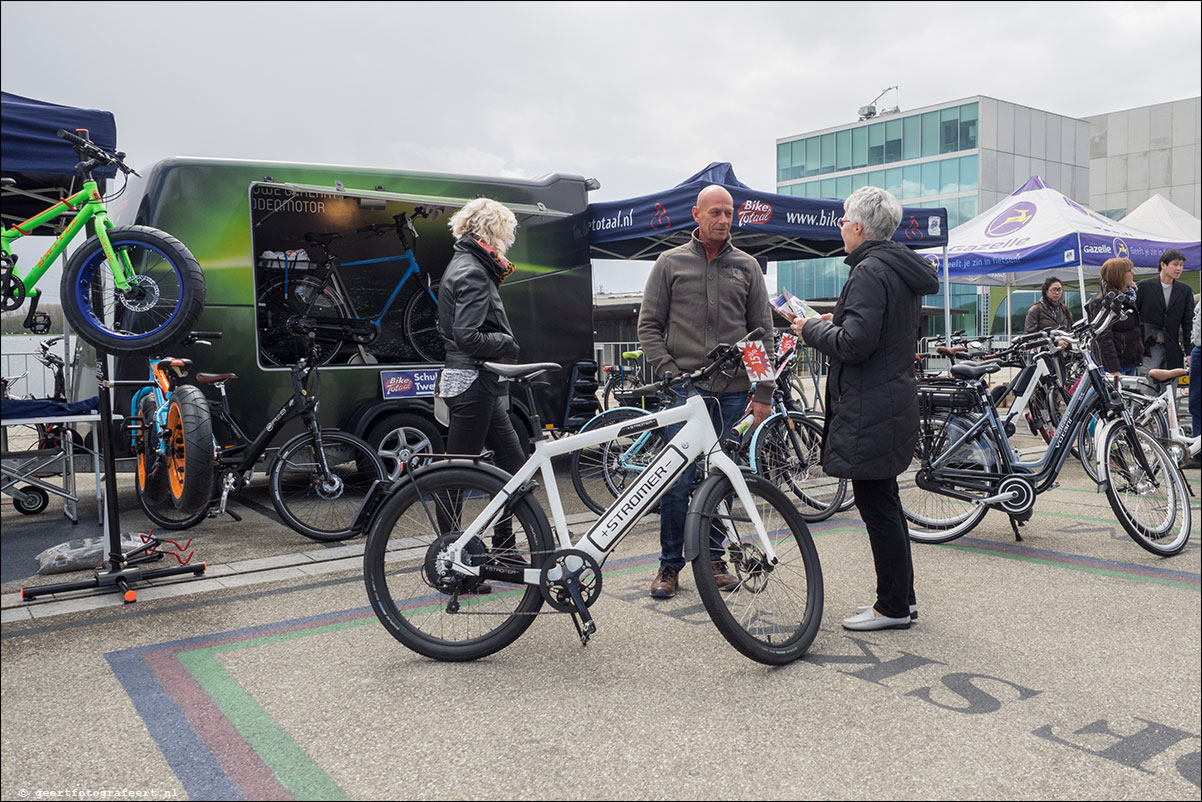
x,y
460,556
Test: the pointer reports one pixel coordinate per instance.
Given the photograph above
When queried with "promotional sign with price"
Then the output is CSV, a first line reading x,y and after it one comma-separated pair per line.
x,y
755,360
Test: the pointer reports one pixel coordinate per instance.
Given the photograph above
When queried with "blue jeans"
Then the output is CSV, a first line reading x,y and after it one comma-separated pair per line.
x,y
1195,389
725,413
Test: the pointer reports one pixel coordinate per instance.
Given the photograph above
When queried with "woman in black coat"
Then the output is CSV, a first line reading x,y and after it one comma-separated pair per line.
x,y
1050,311
871,426
1120,348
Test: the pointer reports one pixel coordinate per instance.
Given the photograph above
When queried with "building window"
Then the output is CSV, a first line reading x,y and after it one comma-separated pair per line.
x,y
949,130
876,144
968,126
813,156
930,133
798,170
859,147
949,176
859,180
893,141
843,150
912,137
912,181
828,153
968,173
783,161
843,186
930,178
828,188
893,181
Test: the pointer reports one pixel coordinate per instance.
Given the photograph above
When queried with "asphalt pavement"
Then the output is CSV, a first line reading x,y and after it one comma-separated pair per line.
x,y
1066,666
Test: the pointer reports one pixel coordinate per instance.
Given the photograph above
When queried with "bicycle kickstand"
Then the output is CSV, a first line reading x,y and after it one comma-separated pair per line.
x,y
1015,524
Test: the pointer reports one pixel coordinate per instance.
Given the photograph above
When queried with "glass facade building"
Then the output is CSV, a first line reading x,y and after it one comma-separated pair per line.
x,y
963,156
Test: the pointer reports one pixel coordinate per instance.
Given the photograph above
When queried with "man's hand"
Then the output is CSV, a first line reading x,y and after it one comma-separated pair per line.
x,y
760,412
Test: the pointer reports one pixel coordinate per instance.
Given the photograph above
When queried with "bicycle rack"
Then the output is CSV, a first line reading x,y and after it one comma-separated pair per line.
x,y
122,569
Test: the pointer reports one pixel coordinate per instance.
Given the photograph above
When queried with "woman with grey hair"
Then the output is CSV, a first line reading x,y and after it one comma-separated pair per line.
x,y
473,324
871,427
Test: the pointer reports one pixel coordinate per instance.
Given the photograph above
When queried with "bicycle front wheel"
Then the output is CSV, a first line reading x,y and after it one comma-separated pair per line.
x,y
1153,507
786,449
773,614
417,595
165,296
318,505
934,517
421,327
190,455
600,473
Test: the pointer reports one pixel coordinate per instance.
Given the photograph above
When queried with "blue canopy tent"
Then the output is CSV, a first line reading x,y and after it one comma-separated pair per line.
x,y
768,226
42,164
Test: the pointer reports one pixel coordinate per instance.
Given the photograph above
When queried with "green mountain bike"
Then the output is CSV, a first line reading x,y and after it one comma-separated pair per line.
x,y
127,290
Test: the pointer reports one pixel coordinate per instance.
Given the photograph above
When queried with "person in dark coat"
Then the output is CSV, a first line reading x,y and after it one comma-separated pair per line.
x,y
1120,348
1166,309
871,427
1050,311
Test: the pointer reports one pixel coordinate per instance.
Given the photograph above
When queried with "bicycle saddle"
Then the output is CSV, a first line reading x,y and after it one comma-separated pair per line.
x,y
512,372
632,354
213,378
972,370
322,239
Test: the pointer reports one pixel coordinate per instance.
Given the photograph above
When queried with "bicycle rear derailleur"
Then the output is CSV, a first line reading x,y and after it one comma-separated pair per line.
x,y
570,582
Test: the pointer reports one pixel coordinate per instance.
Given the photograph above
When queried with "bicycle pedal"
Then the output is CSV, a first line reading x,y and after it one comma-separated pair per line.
x,y
38,323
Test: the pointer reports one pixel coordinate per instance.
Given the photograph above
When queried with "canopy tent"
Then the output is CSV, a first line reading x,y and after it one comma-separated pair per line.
x,y
1037,232
1158,216
770,227
42,164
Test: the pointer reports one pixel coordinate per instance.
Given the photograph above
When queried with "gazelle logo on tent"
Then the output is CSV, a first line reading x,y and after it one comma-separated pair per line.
x,y
661,219
754,212
1011,220
933,261
1120,249
1070,255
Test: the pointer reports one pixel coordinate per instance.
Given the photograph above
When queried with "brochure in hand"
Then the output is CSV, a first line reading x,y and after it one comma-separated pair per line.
x,y
792,307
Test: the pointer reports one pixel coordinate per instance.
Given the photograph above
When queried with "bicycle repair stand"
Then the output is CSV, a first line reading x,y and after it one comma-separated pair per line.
x,y
122,569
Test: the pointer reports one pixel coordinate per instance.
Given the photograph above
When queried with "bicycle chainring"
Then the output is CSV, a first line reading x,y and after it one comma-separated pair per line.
x,y
1023,503
570,566
12,287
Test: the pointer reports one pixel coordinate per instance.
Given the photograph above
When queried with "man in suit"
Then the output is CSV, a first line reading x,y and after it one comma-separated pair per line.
x,y
1166,309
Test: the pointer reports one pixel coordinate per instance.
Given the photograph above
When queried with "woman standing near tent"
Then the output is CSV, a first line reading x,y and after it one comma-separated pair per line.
x,y
1050,311
1120,348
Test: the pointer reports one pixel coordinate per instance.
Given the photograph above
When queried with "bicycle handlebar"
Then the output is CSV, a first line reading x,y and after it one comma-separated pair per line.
x,y
721,355
86,146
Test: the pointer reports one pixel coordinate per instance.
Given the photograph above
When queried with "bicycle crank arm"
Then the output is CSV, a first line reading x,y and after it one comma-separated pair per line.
x,y
998,498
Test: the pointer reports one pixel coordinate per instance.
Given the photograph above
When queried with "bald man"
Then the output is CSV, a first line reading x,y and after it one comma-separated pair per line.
x,y
698,295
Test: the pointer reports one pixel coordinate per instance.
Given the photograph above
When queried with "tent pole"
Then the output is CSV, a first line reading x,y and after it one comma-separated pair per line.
x,y
947,300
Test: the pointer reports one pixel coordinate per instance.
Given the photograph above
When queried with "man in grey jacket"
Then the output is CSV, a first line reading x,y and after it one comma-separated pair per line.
x,y
698,295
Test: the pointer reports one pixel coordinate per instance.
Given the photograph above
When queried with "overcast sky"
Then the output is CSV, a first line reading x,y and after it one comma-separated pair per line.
x,y
637,95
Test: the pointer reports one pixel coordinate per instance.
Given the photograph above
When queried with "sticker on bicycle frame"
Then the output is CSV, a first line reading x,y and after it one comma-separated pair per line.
x,y
787,342
408,383
638,426
755,360
655,479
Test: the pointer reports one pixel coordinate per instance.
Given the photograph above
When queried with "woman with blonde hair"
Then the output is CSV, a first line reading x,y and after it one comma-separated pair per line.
x,y
1120,348
472,322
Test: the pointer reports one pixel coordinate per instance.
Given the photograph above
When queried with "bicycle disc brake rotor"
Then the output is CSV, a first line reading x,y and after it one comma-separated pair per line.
x,y
143,294
751,566
437,569
570,566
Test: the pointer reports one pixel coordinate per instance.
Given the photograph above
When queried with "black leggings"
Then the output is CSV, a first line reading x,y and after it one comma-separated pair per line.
x,y
880,507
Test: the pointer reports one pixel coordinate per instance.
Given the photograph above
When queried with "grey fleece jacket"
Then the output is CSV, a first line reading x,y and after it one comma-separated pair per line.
x,y
692,303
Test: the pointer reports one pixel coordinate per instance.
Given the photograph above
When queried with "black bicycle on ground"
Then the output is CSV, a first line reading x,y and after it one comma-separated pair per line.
x,y
189,469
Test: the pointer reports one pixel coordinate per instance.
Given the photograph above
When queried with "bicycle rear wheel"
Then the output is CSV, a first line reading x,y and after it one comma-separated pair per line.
x,y
786,449
165,297
934,517
619,383
1153,507
283,298
411,584
600,473
773,615
318,506
421,326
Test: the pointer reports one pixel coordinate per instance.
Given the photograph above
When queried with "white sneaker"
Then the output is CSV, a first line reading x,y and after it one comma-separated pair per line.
x,y
869,620
913,610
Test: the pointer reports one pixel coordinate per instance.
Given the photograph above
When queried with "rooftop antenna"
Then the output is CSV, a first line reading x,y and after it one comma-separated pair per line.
x,y
869,111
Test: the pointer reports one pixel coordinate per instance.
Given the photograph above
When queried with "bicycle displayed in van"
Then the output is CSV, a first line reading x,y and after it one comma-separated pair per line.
x,y
127,290
320,298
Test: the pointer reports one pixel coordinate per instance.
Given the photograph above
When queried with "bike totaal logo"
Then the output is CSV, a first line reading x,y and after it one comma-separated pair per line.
x,y
754,212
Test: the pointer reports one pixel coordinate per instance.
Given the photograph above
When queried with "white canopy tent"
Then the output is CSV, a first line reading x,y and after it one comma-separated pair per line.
x,y
1037,232
1157,215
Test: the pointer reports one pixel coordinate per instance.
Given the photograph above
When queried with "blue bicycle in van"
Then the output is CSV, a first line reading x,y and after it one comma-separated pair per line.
x,y
317,299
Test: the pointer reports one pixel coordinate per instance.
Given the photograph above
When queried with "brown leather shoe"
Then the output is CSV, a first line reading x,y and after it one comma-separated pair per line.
x,y
664,584
725,579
